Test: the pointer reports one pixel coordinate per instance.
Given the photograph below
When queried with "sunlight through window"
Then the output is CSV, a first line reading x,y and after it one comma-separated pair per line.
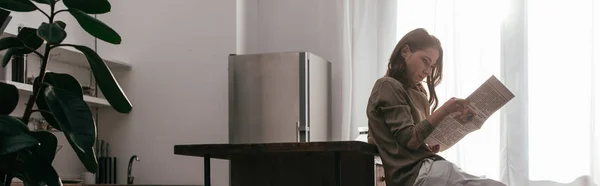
x,y
560,86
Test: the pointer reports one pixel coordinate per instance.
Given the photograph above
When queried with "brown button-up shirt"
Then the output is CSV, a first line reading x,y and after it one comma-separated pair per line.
x,y
395,114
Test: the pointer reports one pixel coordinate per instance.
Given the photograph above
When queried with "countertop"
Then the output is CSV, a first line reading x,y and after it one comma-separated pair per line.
x,y
225,151
78,184
133,185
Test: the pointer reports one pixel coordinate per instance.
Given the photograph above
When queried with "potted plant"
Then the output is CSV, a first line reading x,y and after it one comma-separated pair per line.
x,y
26,154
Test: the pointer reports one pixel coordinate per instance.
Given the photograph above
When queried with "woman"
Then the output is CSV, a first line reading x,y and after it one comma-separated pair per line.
x,y
401,118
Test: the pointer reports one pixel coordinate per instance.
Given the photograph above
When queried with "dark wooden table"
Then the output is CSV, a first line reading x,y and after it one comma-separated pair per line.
x,y
333,163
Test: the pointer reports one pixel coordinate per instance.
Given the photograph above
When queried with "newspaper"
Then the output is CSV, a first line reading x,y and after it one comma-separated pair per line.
x,y
487,99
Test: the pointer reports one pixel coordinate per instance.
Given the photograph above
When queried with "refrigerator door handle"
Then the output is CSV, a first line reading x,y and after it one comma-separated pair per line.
x,y
304,129
302,132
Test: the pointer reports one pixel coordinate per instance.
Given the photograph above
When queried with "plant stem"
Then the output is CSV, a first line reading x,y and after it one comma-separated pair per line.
x,y
38,8
63,10
65,44
32,98
8,179
42,74
35,52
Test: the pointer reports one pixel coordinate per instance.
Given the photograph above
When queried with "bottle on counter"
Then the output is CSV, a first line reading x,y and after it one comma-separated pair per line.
x,y
362,134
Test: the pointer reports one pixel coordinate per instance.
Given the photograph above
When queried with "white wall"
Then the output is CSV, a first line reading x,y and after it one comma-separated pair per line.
x,y
177,85
291,25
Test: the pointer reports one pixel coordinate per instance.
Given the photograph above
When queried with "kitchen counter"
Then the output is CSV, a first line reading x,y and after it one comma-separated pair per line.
x,y
134,185
79,184
227,151
291,164
21,184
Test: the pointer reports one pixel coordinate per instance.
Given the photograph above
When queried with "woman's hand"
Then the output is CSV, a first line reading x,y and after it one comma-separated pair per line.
x,y
455,105
452,106
434,149
465,116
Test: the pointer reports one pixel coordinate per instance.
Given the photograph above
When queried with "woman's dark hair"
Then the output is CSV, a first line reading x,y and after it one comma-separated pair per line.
x,y
417,39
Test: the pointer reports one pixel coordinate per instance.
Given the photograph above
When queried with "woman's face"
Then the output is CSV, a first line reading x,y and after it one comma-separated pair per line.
x,y
420,63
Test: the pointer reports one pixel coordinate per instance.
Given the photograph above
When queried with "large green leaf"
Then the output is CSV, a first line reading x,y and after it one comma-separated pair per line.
x,y
18,5
18,164
96,27
59,80
9,98
48,143
47,114
11,126
63,81
15,143
53,33
89,6
42,173
10,42
36,171
7,163
76,121
62,24
8,56
30,38
106,81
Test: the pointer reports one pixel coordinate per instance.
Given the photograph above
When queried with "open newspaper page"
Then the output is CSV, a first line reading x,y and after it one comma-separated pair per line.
x,y
486,100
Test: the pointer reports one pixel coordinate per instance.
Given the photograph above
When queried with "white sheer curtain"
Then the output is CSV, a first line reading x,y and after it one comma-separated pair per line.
x,y
544,51
369,39
471,41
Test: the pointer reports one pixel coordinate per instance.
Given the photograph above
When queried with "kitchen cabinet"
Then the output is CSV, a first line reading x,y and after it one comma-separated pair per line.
x,y
64,184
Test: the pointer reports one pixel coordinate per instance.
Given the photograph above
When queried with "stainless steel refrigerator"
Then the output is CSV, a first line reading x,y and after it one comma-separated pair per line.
x,y
279,97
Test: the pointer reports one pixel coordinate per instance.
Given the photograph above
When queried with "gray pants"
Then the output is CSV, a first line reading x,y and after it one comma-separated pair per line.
x,y
445,173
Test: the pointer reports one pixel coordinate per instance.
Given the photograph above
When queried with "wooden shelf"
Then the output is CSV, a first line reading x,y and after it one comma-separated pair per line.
x,y
74,57
94,102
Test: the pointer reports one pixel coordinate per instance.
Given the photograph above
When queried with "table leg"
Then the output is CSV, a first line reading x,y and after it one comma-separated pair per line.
x,y
338,169
207,170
